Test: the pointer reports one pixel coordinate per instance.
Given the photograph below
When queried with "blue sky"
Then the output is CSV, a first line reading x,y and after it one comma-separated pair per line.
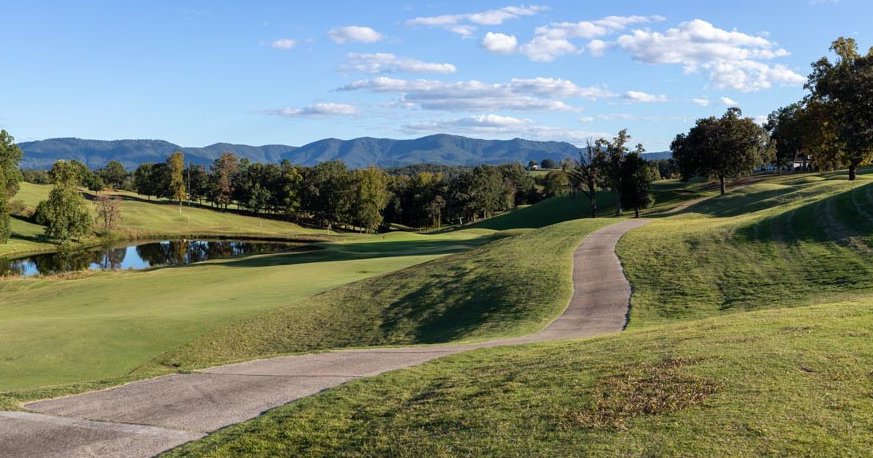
x,y
196,73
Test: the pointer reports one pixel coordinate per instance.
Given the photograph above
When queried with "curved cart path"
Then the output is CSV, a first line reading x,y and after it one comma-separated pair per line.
x,y
147,417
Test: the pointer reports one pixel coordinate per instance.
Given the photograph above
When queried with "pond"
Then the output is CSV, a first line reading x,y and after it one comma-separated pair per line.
x,y
141,255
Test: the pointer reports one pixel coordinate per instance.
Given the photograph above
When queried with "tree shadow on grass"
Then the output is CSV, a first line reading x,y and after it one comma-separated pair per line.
x,y
453,304
362,250
835,218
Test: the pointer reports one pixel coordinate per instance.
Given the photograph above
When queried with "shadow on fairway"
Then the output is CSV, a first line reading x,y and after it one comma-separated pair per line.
x,y
330,252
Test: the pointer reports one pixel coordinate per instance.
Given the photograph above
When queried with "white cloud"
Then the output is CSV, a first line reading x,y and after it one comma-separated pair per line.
x,y
631,117
546,49
389,63
554,40
546,94
728,102
593,29
701,101
283,43
639,96
465,24
315,110
500,43
354,33
732,59
597,47
497,126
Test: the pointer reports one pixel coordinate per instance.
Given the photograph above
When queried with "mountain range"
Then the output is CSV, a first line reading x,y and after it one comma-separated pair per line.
x,y
356,153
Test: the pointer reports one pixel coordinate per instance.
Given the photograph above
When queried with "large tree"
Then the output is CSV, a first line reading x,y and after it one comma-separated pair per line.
x,y
64,214
785,128
370,197
10,176
845,87
327,192
176,166
609,160
721,148
806,128
636,182
113,174
288,189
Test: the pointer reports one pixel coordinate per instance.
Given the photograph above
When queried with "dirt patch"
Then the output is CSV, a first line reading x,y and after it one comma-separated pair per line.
x,y
641,390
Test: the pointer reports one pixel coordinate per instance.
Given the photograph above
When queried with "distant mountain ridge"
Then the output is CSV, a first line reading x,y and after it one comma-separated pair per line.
x,y
356,153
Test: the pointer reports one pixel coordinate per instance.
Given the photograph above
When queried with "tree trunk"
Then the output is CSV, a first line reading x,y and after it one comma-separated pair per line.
x,y
592,197
853,171
618,204
721,184
636,212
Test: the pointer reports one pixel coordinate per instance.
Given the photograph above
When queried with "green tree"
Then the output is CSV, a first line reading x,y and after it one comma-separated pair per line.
x,y
64,214
555,183
845,87
609,157
520,185
636,182
784,126
176,166
370,198
198,182
726,147
288,191
10,177
113,174
327,192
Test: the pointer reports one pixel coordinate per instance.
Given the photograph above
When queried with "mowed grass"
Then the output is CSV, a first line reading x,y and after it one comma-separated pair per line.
x,y
788,241
26,238
793,382
512,286
101,326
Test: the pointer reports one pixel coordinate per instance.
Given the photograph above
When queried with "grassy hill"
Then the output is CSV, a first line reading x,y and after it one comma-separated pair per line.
x,y
512,286
667,194
776,382
788,241
692,376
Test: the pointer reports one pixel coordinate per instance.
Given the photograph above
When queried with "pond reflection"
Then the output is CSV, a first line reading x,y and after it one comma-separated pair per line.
x,y
141,256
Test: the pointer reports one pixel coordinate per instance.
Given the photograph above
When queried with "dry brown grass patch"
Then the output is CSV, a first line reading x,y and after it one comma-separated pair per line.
x,y
640,390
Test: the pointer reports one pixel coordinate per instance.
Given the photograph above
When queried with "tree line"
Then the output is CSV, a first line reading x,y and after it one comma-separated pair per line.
x,y
330,194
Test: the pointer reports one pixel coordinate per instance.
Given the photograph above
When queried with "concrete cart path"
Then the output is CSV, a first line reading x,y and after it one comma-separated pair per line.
x,y
144,418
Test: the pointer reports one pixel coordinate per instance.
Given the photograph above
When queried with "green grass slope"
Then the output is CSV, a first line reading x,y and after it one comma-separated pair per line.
x,y
101,326
509,287
775,382
26,238
667,194
787,241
